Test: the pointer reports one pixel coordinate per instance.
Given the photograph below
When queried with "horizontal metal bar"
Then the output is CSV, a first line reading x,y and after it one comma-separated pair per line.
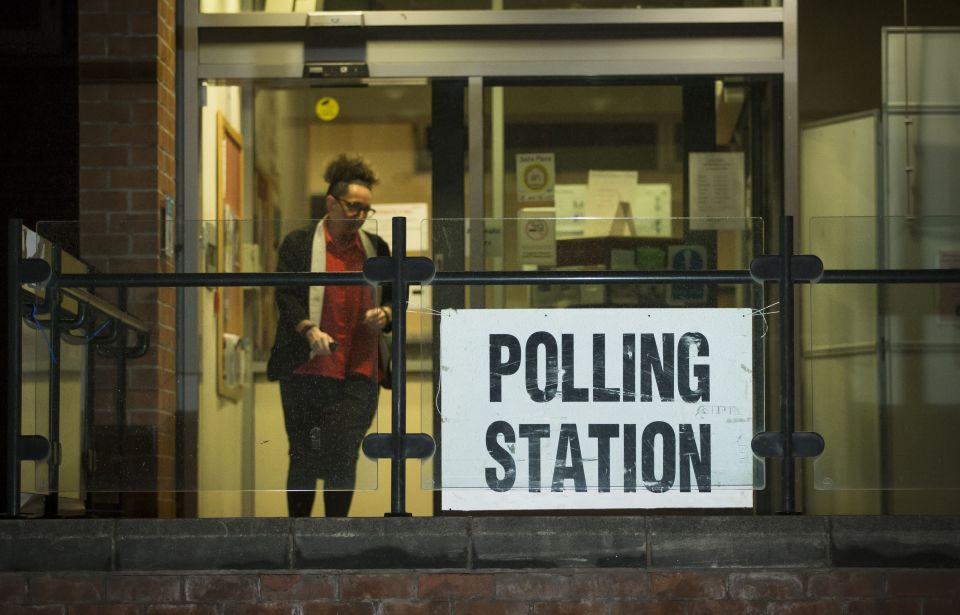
x,y
592,277
737,276
107,309
154,280
890,276
531,17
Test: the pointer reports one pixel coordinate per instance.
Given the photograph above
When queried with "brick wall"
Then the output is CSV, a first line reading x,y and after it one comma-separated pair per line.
x,y
775,565
583,592
127,173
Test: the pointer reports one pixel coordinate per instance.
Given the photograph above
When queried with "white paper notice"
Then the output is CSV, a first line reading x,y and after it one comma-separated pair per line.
x,y
537,237
535,177
717,192
382,224
949,293
609,194
569,200
651,206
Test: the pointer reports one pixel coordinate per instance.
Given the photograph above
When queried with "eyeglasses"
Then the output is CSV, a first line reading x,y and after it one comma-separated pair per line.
x,y
360,210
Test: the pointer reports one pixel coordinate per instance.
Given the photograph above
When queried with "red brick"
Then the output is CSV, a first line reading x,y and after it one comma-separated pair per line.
x,y
93,178
133,134
181,609
838,583
91,46
646,608
806,607
681,585
611,585
135,223
143,24
128,7
104,609
570,608
934,583
65,589
941,606
367,587
215,588
490,607
107,112
876,606
455,586
724,607
104,156
133,91
143,588
261,608
132,178
92,6
13,588
766,585
521,586
297,587
337,608
93,201
407,607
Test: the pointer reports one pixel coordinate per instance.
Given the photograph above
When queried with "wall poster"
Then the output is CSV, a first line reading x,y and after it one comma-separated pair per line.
x,y
229,300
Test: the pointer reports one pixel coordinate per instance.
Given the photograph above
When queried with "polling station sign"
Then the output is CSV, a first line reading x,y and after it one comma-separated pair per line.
x,y
596,409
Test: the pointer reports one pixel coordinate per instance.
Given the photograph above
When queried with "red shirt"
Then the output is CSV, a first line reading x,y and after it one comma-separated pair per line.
x,y
344,308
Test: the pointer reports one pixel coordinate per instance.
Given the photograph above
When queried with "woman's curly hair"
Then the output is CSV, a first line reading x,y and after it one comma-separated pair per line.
x,y
345,170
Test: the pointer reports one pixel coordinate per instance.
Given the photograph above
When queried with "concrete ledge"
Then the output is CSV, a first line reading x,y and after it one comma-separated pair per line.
x,y
203,544
479,543
559,542
912,542
411,542
747,542
56,545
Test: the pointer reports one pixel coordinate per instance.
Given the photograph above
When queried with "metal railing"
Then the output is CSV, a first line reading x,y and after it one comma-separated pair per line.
x,y
399,270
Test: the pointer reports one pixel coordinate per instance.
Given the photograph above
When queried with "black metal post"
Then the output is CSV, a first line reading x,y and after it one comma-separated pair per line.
x,y
120,402
788,472
11,468
51,500
398,391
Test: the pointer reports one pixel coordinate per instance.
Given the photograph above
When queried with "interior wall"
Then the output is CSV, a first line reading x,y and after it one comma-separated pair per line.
x,y
220,429
840,69
840,353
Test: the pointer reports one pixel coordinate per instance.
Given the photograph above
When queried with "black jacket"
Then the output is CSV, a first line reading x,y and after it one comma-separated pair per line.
x,y
290,349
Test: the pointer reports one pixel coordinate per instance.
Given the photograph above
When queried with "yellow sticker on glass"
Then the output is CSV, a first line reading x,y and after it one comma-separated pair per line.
x,y
327,108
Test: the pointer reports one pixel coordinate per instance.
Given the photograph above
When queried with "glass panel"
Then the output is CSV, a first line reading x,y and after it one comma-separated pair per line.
x,y
53,364
120,438
306,6
882,359
651,151
462,412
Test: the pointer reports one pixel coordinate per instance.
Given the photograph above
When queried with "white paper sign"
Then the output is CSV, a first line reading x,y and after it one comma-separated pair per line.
x,y
382,223
949,294
596,409
651,206
537,237
536,176
609,195
569,200
717,191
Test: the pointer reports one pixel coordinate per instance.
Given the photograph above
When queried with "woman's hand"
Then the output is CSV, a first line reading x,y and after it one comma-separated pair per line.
x,y
377,318
321,342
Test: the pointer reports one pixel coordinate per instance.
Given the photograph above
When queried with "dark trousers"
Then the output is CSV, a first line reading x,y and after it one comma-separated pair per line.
x,y
325,420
